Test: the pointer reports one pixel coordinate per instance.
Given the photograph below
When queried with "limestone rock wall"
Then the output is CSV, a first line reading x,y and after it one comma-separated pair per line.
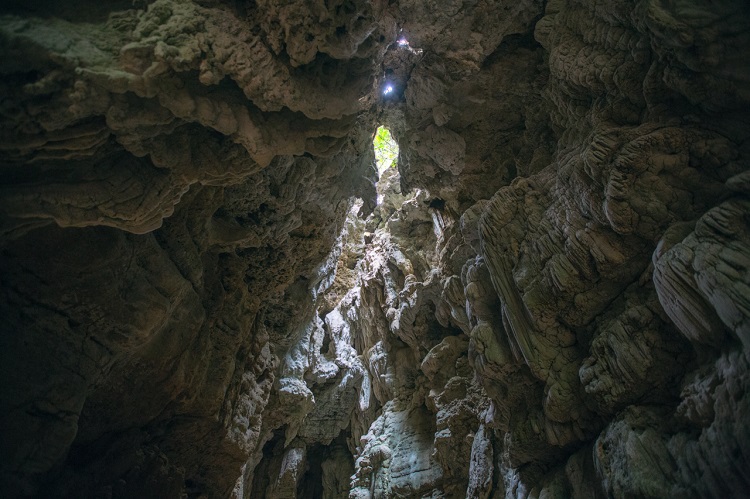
x,y
550,300
175,176
586,169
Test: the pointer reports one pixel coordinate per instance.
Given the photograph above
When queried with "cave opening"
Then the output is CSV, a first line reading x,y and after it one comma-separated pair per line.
x,y
386,158
386,150
311,484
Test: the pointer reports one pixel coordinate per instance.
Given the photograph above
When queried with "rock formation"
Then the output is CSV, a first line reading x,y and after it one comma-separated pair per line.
x,y
207,292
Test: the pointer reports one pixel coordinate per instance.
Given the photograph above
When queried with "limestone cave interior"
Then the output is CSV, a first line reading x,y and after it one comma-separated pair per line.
x,y
375,249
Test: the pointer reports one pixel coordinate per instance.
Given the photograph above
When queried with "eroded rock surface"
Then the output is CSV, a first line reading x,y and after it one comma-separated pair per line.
x,y
201,298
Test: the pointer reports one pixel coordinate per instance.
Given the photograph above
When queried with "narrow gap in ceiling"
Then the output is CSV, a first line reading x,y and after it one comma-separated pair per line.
x,y
386,153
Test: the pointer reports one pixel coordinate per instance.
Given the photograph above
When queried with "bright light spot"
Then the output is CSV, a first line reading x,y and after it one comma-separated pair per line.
x,y
388,89
404,44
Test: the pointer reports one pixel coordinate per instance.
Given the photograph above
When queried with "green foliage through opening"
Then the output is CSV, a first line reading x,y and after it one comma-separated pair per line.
x,y
386,150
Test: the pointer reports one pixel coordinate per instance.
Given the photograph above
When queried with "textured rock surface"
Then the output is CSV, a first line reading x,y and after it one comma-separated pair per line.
x,y
174,179
552,298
